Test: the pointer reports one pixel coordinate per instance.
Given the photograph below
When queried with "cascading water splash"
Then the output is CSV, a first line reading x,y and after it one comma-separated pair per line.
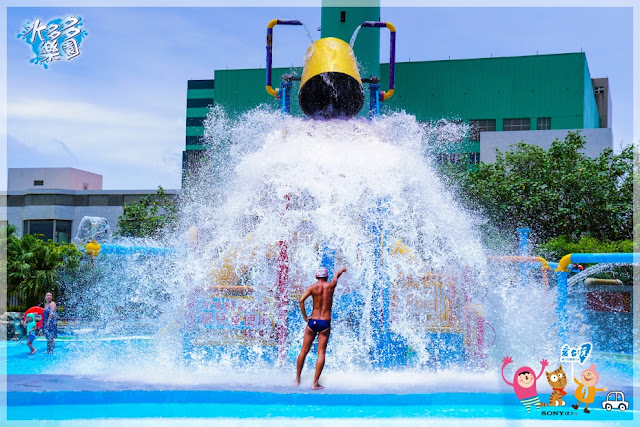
x,y
343,186
275,199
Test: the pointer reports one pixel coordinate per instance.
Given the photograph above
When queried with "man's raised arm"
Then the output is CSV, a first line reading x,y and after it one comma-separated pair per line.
x,y
338,274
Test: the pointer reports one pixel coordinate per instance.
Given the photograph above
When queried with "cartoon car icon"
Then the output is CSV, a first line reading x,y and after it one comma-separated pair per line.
x,y
615,399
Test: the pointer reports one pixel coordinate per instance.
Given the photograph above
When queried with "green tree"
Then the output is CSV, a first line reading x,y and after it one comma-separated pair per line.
x,y
558,247
6,230
34,267
555,192
148,217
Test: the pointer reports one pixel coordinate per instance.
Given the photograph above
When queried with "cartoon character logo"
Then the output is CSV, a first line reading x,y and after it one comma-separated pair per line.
x,y
586,391
568,354
558,381
524,383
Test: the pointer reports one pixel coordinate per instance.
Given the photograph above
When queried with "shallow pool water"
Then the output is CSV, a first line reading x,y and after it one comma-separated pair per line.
x,y
44,387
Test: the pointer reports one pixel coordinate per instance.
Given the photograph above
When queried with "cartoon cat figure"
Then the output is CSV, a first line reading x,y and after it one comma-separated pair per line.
x,y
558,381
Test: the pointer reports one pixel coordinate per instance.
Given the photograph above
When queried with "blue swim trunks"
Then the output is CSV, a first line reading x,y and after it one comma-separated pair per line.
x,y
319,325
31,337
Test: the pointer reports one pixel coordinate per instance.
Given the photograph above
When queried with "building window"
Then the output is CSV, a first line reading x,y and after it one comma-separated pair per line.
x,y
442,158
516,124
472,158
544,123
38,182
599,89
477,126
57,230
63,232
40,226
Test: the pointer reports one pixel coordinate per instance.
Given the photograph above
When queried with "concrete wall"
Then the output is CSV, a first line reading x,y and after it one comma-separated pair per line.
x,y
70,205
603,101
597,140
16,215
22,179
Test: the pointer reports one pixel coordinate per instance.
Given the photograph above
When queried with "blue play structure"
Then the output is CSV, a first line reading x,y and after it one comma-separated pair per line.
x,y
563,271
113,249
389,348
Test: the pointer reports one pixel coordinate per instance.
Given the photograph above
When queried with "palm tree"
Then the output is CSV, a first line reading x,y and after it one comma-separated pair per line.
x,y
34,266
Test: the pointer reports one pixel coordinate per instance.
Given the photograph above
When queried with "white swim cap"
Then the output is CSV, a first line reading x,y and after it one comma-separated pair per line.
x,y
322,272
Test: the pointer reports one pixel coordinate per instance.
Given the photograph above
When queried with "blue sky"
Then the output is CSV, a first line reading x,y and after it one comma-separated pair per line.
x,y
118,109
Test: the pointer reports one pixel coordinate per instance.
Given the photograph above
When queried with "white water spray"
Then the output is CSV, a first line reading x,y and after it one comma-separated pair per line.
x,y
361,190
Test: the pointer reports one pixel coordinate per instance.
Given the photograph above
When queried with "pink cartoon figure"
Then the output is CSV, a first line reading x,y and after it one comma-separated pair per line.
x,y
586,391
524,383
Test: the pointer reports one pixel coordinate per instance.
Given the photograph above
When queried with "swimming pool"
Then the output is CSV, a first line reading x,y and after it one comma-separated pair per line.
x,y
41,387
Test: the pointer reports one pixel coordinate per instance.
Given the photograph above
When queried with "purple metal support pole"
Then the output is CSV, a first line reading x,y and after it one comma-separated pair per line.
x,y
272,24
289,22
392,53
392,60
269,54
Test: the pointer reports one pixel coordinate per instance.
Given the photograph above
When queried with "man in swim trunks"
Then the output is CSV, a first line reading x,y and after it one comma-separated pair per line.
x,y
320,321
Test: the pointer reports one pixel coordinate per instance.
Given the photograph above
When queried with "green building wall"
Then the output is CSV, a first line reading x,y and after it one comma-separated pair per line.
x,y
237,91
556,86
367,44
200,98
591,115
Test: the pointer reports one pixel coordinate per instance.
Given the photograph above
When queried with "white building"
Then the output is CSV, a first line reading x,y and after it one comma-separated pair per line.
x,y
53,201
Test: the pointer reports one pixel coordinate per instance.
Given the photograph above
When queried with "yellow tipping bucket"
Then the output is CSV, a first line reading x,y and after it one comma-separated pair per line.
x,y
330,85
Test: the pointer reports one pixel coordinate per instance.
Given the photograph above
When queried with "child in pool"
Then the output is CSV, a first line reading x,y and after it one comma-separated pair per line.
x,y
31,332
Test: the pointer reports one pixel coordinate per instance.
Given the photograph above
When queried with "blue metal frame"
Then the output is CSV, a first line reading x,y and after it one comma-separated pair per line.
x,y
285,95
561,307
523,247
374,100
380,295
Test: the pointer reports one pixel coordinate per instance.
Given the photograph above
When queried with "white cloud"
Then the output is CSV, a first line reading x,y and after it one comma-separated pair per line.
x,y
87,135
125,145
83,112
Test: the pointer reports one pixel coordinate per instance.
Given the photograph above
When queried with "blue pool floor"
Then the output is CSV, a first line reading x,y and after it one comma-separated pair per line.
x,y
105,402
410,413
36,396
